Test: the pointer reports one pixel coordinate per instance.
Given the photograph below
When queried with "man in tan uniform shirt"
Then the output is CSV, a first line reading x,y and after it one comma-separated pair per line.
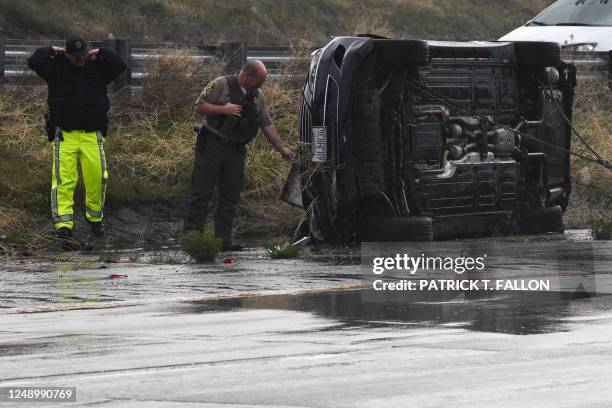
x,y
235,109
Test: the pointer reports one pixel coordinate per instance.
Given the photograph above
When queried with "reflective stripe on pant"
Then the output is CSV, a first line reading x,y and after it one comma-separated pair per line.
x,y
71,147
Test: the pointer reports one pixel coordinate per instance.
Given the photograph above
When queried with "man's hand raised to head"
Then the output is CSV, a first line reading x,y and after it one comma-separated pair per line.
x,y
93,54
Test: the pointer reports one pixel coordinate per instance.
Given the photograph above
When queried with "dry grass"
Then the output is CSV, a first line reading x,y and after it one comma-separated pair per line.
x,y
592,196
266,172
363,23
24,149
21,233
174,81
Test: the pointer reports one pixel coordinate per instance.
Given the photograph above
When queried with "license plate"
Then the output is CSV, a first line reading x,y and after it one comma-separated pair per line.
x,y
319,143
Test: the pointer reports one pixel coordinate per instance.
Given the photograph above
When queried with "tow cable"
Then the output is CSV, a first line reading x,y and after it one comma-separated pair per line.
x,y
548,92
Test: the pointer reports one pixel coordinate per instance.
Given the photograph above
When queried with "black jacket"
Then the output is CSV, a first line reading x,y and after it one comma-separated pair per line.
x,y
77,95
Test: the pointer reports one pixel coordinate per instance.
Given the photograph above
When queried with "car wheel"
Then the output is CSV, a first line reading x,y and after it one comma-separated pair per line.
x,y
397,229
540,220
533,54
398,53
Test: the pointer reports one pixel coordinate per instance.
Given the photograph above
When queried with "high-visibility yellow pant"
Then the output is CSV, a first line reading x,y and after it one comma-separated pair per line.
x,y
71,147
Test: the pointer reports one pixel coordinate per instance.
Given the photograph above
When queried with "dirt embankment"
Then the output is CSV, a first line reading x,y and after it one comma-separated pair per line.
x,y
263,22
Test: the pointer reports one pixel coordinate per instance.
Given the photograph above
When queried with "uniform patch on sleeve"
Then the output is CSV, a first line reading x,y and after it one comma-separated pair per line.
x,y
211,86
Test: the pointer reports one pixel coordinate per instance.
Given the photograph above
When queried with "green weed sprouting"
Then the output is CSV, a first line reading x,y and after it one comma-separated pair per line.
x,y
202,245
282,249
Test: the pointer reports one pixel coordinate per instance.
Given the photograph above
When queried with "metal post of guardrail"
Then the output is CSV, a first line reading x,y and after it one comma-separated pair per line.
x,y
2,51
234,55
610,69
122,48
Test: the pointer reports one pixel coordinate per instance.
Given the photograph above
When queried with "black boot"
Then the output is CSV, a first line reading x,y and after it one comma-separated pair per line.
x,y
97,228
66,239
68,243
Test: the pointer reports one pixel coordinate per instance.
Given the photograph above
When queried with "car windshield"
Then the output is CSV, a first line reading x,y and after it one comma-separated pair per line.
x,y
576,12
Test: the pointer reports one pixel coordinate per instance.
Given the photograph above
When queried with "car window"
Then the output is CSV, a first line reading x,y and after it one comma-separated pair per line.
x,y
576,12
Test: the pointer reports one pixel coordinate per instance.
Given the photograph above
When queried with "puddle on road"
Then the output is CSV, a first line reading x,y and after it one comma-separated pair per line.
x,y
76,266
100,345
500,312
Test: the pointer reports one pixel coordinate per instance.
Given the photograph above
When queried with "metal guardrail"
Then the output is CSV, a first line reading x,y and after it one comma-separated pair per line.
x,y
14,55
592,66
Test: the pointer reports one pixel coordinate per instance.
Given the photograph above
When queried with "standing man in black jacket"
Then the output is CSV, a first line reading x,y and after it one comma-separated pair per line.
x,y
78,105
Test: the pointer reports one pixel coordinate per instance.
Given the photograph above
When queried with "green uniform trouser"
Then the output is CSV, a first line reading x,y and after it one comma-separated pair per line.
x,y
222,162
70,147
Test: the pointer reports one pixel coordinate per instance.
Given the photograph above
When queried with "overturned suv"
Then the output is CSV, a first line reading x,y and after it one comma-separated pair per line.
x,y
416,140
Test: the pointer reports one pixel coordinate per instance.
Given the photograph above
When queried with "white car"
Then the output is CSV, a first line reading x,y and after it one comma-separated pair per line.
x,y
582,27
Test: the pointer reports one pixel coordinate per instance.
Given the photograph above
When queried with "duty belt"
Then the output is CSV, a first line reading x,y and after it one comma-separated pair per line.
x,y
225,141
221,138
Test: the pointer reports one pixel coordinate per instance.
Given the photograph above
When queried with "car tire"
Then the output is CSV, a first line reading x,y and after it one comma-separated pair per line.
x,y
398,53
534,54
541,220
397,229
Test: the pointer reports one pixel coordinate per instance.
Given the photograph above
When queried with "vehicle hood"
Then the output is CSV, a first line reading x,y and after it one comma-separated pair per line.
x,y
562,35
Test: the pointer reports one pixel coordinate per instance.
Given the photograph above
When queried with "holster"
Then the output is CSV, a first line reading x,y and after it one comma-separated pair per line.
x,y
201,138
49,126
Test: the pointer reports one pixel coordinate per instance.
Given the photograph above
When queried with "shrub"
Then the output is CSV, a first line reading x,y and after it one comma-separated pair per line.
x,y
601,226
173,82
202,245
282,249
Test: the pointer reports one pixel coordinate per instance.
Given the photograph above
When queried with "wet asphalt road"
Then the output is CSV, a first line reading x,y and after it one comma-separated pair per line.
x,y
300,333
